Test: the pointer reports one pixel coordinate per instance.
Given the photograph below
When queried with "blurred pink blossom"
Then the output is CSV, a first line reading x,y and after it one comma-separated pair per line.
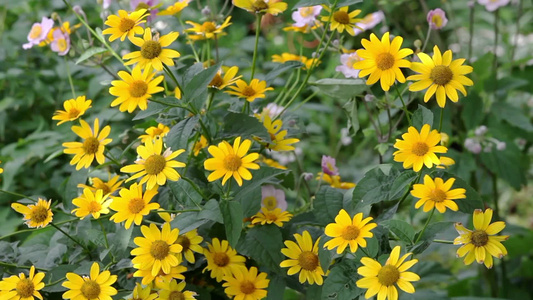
x,y
272,198
492,5
329,165
306,16
38,32
346,66
60,42
437,18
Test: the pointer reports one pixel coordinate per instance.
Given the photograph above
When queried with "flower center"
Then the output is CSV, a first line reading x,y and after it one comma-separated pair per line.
x,y
232,162
184,242
220,259
479,238
270,202
35,33
217,81
388,275
176,295
150,49
209,27
385,61
420,149
62,45
126,24
341,17
90,145
138,88
247,287
155,164
94,207
105,189
438,195
437,20
308,260
159,249
90,289
306,11
136,205
441,75
248,91
351,232
73,113
39,214
259,5
157,131
25,288
271,216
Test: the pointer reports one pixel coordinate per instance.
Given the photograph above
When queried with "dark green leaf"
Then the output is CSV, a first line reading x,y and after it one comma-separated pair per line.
x,y
263,243
185,193
305,3
401,184
89,53
196,90
187,221
377,185
507,164
55,274
340,283
276,287
422,116
325,256
152,109
403,230
211,212
179,134
512,115
232,214
245,126
119,241
429,234
327,204
71,188
472,106
282,68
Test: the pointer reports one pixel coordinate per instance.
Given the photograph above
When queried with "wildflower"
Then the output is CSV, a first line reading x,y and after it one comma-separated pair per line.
x,y
38,32
261,6
492,5
306,16
437,18
199,145
90,203
285,57
125,25
175,8
345,137
272,163
134,90
380,279
95,286
157,249
418,148
335,181
1,169
272,110
190,242
140,293
222,260
35,215
73,110
64,28
445,162
369,21
207,30
155,167
347,65
303,258
272,198
109,187
219,82
175,272
256,89
277,136
329,165
482,243
171,290
132,205
21,287
246,284
342,20
228,161
149,5
347,231
276,216
92,147
437,194
60,42
152,53
153,133
382,60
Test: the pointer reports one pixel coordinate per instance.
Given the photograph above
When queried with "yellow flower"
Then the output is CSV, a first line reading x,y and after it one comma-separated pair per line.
x,y
108,187
261,6
278,143
1,170
175,8
152,53
218,82
382,60
132,205
22,288
437,194
272,163
91,204
335,181
380,280
246,284
347,231
153,132
482,243
418,148
303,258
190,242
73,110
135,89
231,161
343,20
276,216
256,89
154,166
207,30
125,25
157,249
92,146
440,75
147,277
222,260
285,57
171,290
140,293
199,145
445,162
95,286
35,215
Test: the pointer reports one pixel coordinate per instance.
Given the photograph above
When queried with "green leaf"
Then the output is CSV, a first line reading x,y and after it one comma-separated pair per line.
x,y
401,184
153,108
422,116
327,204
179,134
377,186
211,212
325,256
232,214
403,230
89,53
512,115
245,126
342,3
340,283
427,238
195,91
119,241
473,199
305,3
71,188
507,164
56,274
353,117
188,221
340,88
263,243
276,287
184,193
282,68
472,106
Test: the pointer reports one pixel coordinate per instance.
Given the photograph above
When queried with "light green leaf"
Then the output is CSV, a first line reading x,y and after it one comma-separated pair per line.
x,y
89,53
340,88
232,214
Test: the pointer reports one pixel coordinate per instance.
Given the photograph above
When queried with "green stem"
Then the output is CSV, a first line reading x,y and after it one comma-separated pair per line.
x,y
208,52
70,79
425,226
427,39
55,282
471,32
21,267
17,194
70,237
495,59
443,242
403,103
409,189
172,211
172,105
34,229
105,234
441,118
169,72
112,160
257,32
189,41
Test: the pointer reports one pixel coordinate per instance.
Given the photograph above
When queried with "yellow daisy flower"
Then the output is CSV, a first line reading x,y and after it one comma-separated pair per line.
x,y
272,163
1,170
140,293
171,290
256,89
95,286
109,187
440,75
342,20
135,89
132,205
35,215
335,181
174,8
155,167
157,249
207,30
482,243
22,288
303,258
278,143
347,231
261,6
199,145
152,53
91,204
125,25
285,57
147,277
222,260
382,60
73,110
437,194
92,147
190,242
231,161
230,77
276,216
445,162
153,132
419,148
380,279
246,284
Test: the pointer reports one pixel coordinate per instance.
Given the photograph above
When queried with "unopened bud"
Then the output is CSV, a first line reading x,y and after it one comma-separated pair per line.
x,y
335,43
418,44
481,130
54,16
307,176
501,146
206,11
369,98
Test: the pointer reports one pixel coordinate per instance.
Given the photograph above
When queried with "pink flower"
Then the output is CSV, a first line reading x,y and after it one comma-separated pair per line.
x,y
437,18
306,16
369,21
106,4
38,32
347,62
272,198
329,165
60,42
492,5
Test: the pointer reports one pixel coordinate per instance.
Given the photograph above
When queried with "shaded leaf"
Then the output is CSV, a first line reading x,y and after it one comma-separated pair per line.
x,y
89,53
327,204
282,68
403,230
422,116
263,243
232,215
245,126
179,134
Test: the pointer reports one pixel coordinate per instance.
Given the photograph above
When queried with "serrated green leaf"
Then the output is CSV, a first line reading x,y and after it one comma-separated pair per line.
x,y
422,116
89,53
472,106
512,115
263,243
403,230
376,186
429,234
184,193
232,215
327,204
211,212
179,134
340,283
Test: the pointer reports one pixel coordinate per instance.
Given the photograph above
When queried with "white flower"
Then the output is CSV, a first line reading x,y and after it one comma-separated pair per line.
x,y
347,62
306,16
492,5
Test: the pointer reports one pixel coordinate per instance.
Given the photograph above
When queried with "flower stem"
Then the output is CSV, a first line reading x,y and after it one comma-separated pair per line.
x,y
495,58
17,194
257,32
169,72
425,226
190,42
105,234
427,39
403,103
441,117
443,242
21,267
471,32
73,239
70,79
